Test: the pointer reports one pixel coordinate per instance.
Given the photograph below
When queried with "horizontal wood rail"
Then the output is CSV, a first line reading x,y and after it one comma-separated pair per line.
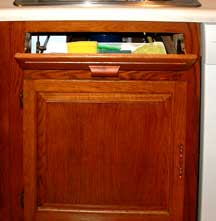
x,y
169,62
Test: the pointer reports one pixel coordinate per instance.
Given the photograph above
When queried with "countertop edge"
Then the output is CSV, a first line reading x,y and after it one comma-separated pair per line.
x,y
204,14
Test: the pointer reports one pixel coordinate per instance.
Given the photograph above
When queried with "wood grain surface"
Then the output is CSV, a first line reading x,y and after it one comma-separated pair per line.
x,y
11,153
104,147
4,126
168,62
187,86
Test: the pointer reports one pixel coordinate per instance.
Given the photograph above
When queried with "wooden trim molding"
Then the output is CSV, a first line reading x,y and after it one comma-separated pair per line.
x,y
126,62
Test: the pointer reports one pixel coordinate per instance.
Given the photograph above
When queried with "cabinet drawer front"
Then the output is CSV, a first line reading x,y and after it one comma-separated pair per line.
x,y
104,150
168,62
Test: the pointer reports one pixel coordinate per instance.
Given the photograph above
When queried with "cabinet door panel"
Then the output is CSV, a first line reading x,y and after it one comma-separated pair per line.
x,y
114,155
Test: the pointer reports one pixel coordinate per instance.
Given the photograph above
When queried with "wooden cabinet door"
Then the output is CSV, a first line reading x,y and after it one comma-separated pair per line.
x,y
104,150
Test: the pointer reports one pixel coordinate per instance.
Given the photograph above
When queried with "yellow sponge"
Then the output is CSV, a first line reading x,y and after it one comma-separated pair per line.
x,y
88,47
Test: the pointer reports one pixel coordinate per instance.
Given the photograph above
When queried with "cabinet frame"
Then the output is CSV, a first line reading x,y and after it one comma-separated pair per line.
x,y
191,74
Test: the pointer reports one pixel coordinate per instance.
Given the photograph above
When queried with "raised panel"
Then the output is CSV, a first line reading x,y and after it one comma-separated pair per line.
x,y
100,151
105,153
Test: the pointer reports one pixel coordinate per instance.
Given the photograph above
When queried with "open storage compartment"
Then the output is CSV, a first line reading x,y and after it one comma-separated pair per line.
x,y
42,47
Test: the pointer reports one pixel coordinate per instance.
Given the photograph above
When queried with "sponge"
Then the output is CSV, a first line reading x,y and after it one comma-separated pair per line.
x,y
79,47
